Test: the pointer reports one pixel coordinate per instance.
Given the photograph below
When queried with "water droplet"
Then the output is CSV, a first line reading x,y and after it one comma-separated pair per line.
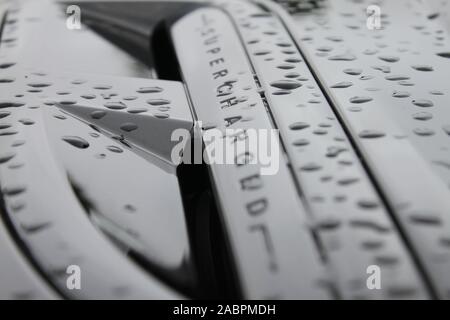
x,y
76,142
355,109
401,94
17,206
4,114
360,99
333,152
232,120
6,65
325,49
286,84
300,142
115,105
396,77
128,127
12,191
343,84
129,98
293,60
426,218
114,149
372,244
34,90
366,224
67,102
353,27
422,67
158,102
335,38
164,109
299,126
423,116
433,16
4,126
9,40
39,84
347,181
292,75
444,54
405,83
98,114
270,33
130,208
27,122
108,95
6,80
328,224
311,167
281,92
368,204
6,157
423,103
320,132
35,228
262,52
353,72
88,96
102,87
18,143
286,66
371,134
343,57
7,133
425,132
284,44
389,58
10,104
386,260
160,115
137,110
39,73
384,69
150,90
345,162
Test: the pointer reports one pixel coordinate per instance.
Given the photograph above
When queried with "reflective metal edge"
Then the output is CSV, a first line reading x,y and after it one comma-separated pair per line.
x,y
18,279
348,213
268,231
44,211
418,196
